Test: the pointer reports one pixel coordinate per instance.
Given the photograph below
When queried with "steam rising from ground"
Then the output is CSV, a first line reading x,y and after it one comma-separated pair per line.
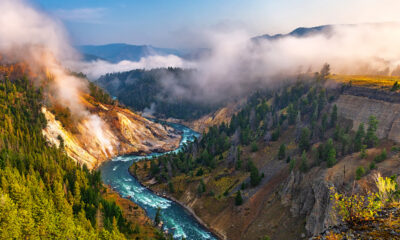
x,y
27,35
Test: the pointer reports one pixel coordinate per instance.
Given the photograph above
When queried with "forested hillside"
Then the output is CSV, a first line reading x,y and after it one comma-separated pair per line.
x,y
265,118
272,165
43,193
157,92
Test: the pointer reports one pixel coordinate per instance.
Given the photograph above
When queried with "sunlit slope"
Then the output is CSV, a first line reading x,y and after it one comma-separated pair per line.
x,y
370,81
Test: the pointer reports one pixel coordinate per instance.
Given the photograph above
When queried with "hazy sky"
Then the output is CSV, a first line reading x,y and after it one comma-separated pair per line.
x,y
179,23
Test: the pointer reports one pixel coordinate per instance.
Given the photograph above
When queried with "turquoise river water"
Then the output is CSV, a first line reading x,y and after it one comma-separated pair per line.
x,y
176,219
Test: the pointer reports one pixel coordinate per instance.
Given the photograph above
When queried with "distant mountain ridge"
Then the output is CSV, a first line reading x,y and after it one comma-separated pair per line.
x,y
300,32
322,29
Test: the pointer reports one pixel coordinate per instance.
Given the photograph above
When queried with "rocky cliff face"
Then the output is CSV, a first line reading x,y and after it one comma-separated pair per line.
x,y
360,108
109,131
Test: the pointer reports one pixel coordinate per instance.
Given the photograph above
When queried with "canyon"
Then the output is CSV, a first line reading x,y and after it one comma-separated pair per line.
x,y
126,133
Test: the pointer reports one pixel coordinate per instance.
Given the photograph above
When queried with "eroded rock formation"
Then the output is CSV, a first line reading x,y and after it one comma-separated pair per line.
x,y
122,132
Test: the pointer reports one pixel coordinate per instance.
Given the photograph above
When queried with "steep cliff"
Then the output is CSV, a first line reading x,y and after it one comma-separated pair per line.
x,y
360,108
122,132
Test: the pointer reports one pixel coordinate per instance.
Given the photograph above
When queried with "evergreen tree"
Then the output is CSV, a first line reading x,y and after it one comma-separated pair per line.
x,y
370,138
303,165
334,116
304,142
292,114
331,154
395,87
325,71
282,152
238,198
360,172
292,164
171,187
363,151
358,140
201,188
255,177
254,147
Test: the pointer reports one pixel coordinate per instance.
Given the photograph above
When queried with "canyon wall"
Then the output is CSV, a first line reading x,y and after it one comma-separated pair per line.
x,y
360,108
123,132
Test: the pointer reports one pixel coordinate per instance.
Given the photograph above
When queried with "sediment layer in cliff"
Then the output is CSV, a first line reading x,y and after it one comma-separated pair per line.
x,y
358,104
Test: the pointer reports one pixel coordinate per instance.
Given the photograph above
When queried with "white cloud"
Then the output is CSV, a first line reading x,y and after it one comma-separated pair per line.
x,y
95,69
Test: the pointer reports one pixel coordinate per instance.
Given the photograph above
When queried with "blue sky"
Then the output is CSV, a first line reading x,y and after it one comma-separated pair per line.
x,y
170,23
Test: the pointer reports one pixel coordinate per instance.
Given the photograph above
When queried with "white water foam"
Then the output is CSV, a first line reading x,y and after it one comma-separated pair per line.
x,y
178,231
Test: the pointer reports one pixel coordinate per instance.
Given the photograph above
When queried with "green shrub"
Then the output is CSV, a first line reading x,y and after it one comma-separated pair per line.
x,y
395,87
382,156
303,165
363,153
360,172
292,164
282,152
254,147
372,166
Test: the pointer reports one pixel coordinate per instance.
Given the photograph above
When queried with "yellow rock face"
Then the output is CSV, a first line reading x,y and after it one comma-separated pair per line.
x,y
109,131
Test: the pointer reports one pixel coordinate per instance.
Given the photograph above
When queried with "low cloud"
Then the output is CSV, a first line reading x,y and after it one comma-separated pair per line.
x,y
235,64
95,69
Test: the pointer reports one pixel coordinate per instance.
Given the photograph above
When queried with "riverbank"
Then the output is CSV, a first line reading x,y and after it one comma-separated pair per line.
x,y
187,208
140,223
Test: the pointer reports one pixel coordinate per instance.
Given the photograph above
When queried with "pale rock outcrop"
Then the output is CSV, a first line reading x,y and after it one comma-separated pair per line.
x,y
107,132
309,195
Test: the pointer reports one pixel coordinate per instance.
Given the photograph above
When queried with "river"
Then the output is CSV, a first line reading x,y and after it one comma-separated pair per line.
x,y
177,220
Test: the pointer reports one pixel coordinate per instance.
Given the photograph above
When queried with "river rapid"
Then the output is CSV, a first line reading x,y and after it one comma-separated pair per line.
x,y
176,219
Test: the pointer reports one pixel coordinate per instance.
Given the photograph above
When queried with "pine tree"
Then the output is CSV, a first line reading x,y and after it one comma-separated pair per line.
x,y
331,158
358,140
282,152
304,142
292,114
238,198
334,116
303,165
370,138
